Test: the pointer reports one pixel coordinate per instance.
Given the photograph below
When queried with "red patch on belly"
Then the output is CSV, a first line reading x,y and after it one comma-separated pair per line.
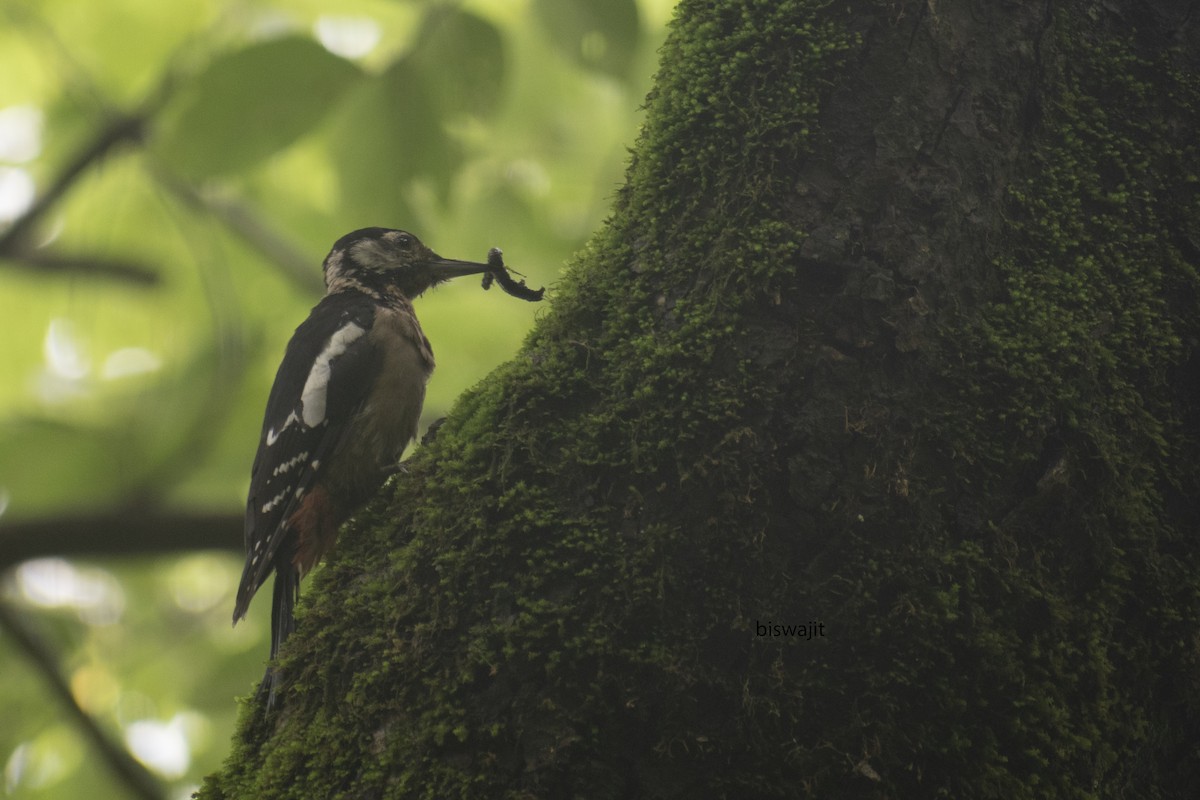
x,y
315,524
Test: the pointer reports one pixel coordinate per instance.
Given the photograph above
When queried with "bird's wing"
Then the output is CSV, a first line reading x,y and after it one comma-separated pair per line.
x,y
326,374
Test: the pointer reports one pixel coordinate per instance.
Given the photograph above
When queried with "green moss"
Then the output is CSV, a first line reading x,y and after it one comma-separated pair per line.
x,y
1071,373
527,604
1084,340
560,597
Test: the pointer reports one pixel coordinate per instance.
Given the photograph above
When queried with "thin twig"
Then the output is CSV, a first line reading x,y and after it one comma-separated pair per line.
x,y
119,127
88,266
15,241
293,264
124,766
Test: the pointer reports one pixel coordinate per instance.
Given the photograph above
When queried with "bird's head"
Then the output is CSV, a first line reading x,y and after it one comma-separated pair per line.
x,y
378,259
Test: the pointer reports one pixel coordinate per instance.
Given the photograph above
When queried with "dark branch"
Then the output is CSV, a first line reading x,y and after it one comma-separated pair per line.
x,y
128,533
48,263
14,242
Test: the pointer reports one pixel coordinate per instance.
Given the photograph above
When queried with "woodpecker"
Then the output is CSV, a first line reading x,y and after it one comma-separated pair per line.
x,y
344,405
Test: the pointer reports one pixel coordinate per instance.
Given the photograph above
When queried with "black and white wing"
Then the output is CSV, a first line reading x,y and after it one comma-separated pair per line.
x,y
326,374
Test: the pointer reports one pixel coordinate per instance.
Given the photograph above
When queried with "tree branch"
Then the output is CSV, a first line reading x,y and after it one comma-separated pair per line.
x,y
240,218
119,533
89,266
120,129
124,766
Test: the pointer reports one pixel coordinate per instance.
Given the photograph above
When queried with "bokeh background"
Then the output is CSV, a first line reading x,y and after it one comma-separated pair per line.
x,y
171,175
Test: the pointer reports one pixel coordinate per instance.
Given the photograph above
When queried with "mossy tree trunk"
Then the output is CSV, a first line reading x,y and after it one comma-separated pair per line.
x,y
893,329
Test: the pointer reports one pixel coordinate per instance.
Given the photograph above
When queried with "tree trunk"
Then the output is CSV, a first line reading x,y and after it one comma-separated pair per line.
x,y
856,456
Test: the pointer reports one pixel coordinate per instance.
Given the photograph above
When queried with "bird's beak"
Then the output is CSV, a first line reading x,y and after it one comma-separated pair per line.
x,y
443,269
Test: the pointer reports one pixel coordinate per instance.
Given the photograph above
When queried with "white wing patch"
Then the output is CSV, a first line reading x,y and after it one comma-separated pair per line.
x,y
287,465
312,399
274,501
273,435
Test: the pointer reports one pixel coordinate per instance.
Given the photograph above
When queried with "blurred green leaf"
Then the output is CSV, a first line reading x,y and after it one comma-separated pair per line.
x,y
85,464
251,103
598,34
387,133
461,63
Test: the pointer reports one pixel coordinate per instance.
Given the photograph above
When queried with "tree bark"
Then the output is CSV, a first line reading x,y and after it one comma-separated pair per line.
x,y
891,339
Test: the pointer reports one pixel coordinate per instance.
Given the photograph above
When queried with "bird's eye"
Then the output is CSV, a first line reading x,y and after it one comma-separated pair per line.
x,y
404,241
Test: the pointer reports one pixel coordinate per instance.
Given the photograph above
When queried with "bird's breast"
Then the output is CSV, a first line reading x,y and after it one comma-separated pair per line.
x,y
388,419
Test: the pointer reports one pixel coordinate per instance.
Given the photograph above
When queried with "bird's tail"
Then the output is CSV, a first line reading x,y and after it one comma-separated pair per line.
x,y
287,591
